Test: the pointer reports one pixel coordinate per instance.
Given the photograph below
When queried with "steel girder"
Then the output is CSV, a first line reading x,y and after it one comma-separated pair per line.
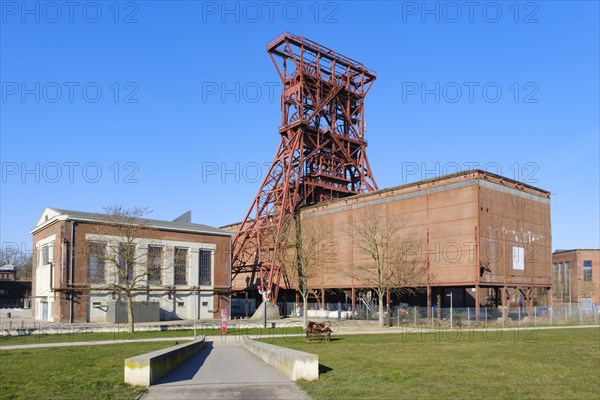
x,y
321,155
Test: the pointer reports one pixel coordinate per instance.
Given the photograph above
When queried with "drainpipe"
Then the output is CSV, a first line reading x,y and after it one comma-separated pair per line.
x,y
71,270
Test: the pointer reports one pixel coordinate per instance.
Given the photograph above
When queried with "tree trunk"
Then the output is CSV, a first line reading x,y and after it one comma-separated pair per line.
x,y
381,317
304,311
130,321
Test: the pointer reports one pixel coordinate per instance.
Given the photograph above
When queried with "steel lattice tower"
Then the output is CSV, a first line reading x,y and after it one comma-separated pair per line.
x,y
321,156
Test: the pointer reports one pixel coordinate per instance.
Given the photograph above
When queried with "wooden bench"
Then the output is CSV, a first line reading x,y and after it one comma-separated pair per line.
x,y
318,330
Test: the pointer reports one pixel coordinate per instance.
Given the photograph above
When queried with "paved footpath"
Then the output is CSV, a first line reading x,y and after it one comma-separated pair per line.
x,y
225,370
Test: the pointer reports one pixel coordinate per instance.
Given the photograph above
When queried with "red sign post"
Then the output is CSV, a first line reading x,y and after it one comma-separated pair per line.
x,y
223,321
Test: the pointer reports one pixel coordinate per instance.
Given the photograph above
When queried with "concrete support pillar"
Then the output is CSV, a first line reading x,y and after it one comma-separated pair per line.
x,y
505,301
428,302
387,298
322,298
439,303
353,299
476,302
530,302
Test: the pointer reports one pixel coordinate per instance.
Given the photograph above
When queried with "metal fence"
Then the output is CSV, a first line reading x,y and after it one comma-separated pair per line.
x,y
563,314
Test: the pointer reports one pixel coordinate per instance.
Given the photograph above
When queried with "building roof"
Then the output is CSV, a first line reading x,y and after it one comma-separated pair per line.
x,y
51,215
558,251
479,174
8,267
475,174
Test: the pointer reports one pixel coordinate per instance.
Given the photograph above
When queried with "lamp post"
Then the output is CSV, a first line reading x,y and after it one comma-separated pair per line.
x,y
570,284
450,295
265,293
195,309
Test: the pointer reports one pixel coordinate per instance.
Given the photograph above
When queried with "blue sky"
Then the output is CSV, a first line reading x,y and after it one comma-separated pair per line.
x,y
175,106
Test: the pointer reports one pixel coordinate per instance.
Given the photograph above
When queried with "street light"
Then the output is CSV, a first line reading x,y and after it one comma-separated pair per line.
x,y
195,288
450,294
570,284
265,293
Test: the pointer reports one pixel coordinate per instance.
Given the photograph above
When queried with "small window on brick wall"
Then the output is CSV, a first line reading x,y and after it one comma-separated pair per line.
x,y
587,270
46,254
155,254
96,257
180,262
205,267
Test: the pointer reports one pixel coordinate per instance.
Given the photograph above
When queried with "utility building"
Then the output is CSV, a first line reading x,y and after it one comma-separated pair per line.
x,y
478,235
475,235
472,231
576,277
178,268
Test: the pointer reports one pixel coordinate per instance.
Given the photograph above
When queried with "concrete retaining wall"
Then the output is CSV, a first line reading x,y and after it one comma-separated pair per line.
x,y
293,363
148,368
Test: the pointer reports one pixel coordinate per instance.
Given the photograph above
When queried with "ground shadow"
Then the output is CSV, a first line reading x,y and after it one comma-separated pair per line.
x,y
323,369
189,368
331,339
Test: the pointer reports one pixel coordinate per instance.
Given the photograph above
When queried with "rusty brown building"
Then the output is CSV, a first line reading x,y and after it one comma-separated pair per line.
x,y
576,277
480,236
73,284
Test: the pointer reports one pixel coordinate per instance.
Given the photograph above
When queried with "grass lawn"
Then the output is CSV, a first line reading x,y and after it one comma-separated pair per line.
x,y
79,372
51,335
540,364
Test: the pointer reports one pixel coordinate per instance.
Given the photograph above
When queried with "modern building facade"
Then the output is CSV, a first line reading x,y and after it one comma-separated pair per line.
x,y
181,269
576,276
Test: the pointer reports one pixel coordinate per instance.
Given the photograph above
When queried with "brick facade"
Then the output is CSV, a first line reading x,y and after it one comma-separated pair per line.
x,y
576,276
68,298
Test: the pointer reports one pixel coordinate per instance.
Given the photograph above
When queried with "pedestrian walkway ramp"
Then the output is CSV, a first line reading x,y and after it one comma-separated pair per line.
x,y
223,369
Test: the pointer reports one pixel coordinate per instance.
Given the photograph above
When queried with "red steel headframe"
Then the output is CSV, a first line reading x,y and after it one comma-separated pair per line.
x,y
321,156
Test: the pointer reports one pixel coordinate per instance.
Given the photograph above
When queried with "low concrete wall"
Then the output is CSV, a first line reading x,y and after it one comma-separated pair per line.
x,y
146,369
293,363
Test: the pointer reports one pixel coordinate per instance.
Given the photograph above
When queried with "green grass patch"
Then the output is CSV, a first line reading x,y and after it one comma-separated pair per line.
x,y
65,334
77,372
533,364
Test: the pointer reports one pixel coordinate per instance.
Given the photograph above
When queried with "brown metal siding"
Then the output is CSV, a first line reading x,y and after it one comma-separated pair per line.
x,y
457,223
511,220
468,218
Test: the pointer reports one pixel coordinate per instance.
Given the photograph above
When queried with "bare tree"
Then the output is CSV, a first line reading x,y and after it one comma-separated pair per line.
x,y
307,247
12,254
394,265
131,266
